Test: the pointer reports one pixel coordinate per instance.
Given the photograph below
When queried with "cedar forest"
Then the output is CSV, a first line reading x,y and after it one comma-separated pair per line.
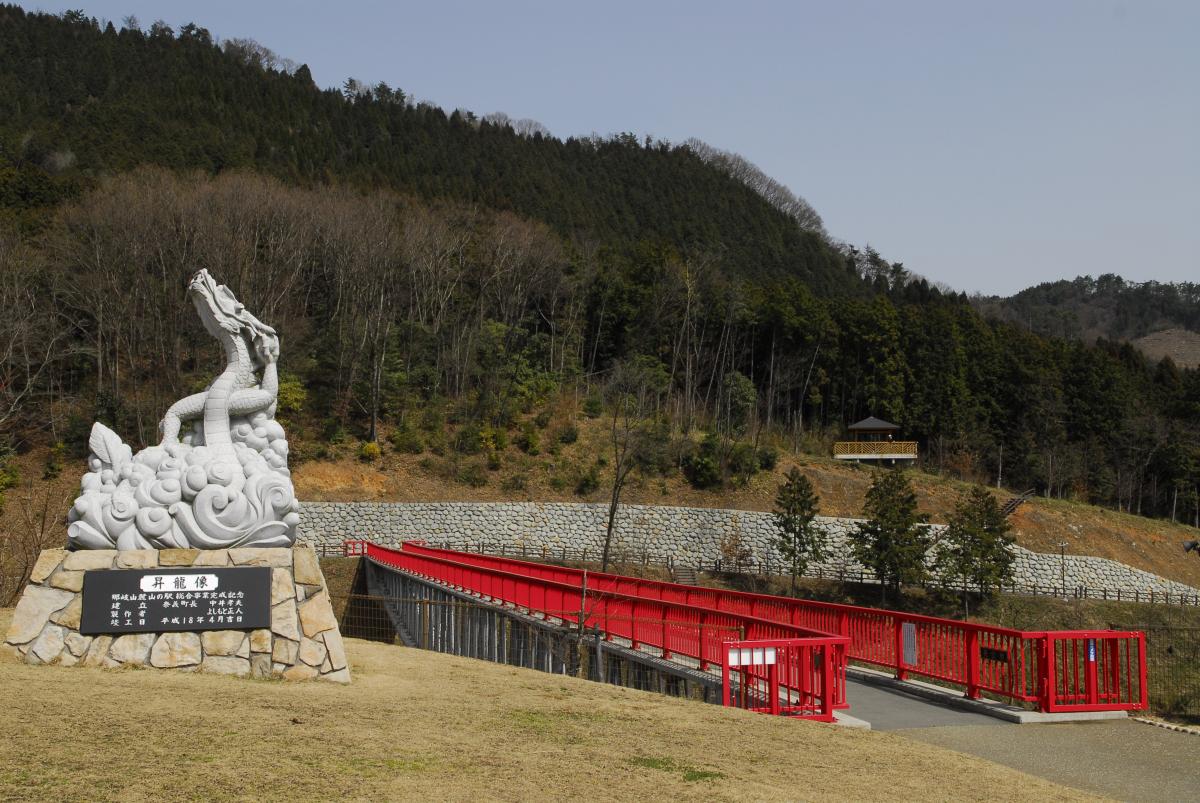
x,y
444,278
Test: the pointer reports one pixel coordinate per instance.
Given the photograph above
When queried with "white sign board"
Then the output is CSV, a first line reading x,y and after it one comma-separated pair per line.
x,y
752,656
163,583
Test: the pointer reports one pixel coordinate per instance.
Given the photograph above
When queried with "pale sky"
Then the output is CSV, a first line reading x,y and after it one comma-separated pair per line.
x,y
989,146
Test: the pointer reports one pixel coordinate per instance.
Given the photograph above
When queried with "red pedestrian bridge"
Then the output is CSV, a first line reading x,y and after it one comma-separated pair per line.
x,y
789,656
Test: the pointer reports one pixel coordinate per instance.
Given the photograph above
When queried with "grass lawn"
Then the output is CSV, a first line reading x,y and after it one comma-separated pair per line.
x,y
419,725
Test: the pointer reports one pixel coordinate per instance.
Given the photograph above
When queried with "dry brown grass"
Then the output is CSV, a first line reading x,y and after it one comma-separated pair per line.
x,y
418,725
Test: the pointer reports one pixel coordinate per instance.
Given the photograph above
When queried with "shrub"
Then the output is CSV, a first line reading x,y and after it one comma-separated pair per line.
x,y
333,430
473,474
405,439
493,460
654,451
497,437
701,470
54,461
743,461
303,451
568,434
529,441
436,442
517,482
369,452
593,407
768,457
542,420
75,435
469,439
589,481
433,417
292,394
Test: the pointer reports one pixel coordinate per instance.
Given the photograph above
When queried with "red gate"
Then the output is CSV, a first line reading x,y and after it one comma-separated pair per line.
x,y
790,677
1095,670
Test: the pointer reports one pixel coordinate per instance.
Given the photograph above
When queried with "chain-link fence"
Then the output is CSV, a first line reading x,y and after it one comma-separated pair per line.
x,y
1172,670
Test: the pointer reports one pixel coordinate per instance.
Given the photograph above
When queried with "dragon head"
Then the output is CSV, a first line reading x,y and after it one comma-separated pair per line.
x,y
222,315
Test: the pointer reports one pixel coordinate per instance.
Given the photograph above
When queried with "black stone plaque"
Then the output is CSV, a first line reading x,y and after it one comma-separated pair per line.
x,y
992,654
173,599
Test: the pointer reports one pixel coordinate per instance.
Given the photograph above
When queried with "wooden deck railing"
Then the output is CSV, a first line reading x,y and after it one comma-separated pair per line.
x,y
875,449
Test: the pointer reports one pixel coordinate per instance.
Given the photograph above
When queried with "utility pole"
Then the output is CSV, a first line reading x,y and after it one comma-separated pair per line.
x,y
1000,470
1062,554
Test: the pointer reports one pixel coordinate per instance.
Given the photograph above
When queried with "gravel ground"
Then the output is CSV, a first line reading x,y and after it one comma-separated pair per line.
x,y
1121,759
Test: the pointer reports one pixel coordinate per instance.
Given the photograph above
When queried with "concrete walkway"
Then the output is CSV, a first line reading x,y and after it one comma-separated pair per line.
x,y
1126,760
1121,759
887,710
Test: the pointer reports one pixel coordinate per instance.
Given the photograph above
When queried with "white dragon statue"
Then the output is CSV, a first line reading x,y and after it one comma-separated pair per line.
x,y
225,483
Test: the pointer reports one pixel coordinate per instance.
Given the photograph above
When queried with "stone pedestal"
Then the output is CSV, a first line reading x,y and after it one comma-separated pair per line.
x,y
303,642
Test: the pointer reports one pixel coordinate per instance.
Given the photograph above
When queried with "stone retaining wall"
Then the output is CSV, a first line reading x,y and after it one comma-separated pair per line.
x,y
686,534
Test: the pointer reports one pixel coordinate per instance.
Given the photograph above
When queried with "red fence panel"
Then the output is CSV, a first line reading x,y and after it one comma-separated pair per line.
x,y
1095,670
789,677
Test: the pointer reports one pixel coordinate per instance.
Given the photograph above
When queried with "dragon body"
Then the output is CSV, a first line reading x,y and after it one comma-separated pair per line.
x,y
225,482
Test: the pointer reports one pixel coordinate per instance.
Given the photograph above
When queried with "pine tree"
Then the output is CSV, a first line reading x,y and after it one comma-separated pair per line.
x,y
798,540
893,541
977,549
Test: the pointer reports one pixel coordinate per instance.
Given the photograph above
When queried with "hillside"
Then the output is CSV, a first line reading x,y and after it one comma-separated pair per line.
x,y
1040,524
1104,307
80,102
1181,345
555,474
417,725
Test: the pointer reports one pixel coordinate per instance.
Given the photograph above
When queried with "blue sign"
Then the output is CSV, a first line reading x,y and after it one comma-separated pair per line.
x,y
1092,650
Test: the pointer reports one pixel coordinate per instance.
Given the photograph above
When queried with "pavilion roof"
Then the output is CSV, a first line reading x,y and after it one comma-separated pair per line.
x,y
872,423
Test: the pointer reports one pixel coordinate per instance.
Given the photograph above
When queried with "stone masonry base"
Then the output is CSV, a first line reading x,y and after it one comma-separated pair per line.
x,y
303,642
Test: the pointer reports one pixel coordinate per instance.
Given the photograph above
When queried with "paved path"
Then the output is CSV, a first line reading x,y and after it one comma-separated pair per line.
x,y
889,710
1122,759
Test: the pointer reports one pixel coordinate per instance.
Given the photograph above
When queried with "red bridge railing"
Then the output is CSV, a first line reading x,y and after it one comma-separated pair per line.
x,y
1055,670
675,628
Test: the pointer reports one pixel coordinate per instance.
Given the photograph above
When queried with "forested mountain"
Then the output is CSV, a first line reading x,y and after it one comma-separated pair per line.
x,y
81,101
1108,306
448,281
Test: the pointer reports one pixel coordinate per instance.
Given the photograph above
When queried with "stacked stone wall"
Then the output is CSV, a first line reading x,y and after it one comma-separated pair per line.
x,y
686,535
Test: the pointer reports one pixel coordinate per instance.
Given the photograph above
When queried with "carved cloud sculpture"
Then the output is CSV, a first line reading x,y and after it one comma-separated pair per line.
x,y
225,483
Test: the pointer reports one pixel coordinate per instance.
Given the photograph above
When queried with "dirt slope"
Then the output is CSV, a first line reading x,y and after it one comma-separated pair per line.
x,y
416,725
1181,345
1039,524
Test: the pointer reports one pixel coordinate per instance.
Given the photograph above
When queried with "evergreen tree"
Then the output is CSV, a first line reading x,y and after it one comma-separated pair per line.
x,y
892,542
977,549
798,540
